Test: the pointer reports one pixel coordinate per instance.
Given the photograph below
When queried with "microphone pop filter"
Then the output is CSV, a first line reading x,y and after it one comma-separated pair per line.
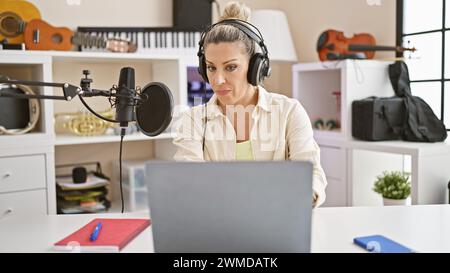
x,y
154,112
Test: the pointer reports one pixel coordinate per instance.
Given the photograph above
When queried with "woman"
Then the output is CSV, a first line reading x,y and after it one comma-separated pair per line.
x,y
242,121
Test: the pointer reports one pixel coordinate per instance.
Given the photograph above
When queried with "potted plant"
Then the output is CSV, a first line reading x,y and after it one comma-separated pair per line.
x,y
394,187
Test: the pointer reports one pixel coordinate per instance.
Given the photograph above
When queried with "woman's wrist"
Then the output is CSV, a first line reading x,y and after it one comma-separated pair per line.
x,y
315,197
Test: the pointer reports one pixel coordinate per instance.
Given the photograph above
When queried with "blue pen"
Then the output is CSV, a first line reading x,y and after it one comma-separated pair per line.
x,y
96,231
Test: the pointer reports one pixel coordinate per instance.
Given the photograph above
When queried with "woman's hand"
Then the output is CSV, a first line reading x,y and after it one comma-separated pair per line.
x,y
314,202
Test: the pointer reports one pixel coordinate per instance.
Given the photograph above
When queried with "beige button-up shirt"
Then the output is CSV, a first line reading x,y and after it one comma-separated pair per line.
x,y
281,131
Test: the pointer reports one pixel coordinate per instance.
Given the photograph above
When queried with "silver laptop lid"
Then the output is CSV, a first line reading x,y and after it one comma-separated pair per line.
x,y
230,206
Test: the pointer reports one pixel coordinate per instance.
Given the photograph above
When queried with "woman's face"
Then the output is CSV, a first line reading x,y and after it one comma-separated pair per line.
x,y
226,66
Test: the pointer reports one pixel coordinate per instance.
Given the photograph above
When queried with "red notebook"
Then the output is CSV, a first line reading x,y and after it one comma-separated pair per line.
x,y
114,235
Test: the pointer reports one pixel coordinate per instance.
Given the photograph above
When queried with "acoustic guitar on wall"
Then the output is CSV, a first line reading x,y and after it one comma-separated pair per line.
x,y
13,17
39,35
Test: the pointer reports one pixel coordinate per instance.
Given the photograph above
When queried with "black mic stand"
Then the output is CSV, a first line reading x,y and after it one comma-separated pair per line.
x,y
70,91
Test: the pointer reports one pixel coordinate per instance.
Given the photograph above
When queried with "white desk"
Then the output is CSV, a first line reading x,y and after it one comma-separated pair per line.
x,y
423,228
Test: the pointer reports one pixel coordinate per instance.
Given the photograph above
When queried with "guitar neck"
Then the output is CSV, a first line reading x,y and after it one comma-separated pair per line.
x,y
356,47
86,40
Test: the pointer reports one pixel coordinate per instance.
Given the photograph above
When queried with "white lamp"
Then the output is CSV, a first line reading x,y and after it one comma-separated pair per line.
x,y
275,31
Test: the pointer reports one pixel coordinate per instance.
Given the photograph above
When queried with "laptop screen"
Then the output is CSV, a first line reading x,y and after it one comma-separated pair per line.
x,y
230,206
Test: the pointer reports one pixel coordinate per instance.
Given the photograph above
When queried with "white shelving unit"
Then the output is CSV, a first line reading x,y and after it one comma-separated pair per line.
x,y
62,140
314,84
427,163
351,166
35,151
134,189
27,161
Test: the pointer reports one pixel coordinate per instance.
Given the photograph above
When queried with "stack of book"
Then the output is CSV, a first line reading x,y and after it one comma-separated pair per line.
x,y
87,197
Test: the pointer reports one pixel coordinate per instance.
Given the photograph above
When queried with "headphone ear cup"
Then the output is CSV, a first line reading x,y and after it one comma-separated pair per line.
x,y
202,67
255,69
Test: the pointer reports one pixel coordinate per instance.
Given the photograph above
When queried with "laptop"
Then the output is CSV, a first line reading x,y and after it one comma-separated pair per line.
x,y
230,207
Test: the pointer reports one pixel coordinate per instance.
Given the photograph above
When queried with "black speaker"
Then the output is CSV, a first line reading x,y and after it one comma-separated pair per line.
x,y
79,175
192,14
14,113
449,192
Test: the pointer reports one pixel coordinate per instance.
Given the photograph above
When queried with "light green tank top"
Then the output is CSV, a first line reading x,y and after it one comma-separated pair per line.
x,y
244,151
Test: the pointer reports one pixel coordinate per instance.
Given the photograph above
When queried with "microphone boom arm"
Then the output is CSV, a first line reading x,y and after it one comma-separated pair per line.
x,y
70,91
130,102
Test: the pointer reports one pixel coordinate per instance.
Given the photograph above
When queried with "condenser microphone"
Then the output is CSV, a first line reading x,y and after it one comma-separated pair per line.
x,y
126,93
151,108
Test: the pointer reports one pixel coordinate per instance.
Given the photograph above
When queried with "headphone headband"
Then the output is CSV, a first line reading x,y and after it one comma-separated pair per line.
x,y
243,26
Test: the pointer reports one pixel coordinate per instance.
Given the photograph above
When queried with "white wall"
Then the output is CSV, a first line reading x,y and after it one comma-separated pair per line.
x,y
307,19
97,13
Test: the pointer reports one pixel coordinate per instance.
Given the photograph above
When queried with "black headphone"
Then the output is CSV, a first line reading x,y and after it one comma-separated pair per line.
x,y
259,65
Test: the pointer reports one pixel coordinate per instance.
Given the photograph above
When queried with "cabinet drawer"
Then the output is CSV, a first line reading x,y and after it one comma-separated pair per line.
x,y
19,173
23,203
336,192
332,161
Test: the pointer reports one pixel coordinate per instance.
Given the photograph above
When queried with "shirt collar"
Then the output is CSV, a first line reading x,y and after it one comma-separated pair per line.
x,y
264,100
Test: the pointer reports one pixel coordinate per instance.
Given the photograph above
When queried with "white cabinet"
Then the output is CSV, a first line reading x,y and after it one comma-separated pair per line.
x,y
315,83
428,164
333,164
23,204
27,161
27,171
351,166
18,173
332,161
134,185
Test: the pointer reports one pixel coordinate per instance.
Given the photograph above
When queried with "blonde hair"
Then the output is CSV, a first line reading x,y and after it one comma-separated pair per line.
x,y
229,33
235,10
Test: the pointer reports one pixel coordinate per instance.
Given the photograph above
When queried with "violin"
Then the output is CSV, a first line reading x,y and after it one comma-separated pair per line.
x,y
333,45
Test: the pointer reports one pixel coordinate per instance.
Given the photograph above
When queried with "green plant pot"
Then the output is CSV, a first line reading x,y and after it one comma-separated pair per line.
x,y
394,202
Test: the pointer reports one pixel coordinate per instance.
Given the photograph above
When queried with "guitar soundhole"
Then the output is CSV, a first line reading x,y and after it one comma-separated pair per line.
x,y
9,26
57,38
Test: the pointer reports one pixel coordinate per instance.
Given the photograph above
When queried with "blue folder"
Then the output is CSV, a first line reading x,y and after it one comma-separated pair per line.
x,y
381,244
